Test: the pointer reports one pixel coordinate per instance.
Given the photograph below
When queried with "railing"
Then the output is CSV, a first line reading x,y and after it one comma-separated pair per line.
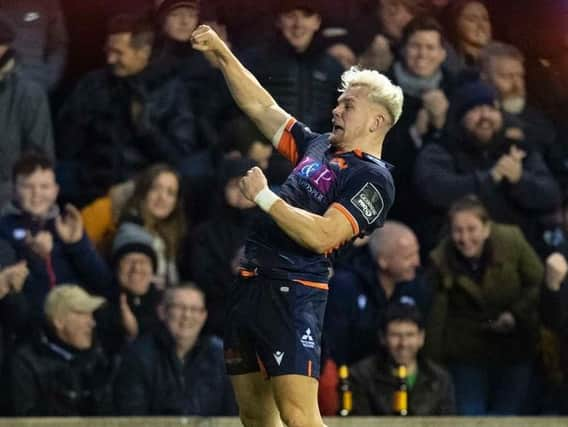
x,y
331,422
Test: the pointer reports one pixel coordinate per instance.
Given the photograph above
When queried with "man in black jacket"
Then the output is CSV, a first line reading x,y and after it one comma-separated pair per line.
x,y
174,370
295,68
62,372
430,389
121,119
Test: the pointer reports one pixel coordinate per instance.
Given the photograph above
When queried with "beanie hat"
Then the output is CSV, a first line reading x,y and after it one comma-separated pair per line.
x,y
168,5
473,95
130,238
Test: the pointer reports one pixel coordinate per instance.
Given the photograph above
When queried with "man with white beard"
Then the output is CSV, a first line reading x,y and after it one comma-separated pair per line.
x,y
503,67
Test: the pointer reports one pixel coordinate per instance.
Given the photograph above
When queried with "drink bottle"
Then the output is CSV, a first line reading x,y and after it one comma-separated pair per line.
x,y
345,394
400,398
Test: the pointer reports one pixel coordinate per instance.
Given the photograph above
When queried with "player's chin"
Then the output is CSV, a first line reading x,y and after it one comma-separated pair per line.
x,y
335,139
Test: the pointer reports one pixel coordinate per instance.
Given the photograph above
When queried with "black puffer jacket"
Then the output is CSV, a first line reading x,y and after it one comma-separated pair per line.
x,y
48,378
304,84
154,381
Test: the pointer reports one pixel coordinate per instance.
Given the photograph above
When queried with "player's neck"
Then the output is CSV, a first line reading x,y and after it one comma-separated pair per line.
x,y
373,147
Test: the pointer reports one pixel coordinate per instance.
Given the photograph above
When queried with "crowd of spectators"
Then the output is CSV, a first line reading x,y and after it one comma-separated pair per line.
x,y
122,223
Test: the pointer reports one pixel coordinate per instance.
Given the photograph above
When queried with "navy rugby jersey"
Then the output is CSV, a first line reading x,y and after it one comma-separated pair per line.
x,y
357,184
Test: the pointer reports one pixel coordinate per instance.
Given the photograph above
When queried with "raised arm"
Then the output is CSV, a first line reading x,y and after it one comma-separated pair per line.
x,y
247,92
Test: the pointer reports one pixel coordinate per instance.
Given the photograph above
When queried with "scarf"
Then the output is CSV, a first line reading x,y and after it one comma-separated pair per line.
x,y
413,85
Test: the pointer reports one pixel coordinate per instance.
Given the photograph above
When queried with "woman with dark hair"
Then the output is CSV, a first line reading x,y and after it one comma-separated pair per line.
x,y
469,31
156,204
484,321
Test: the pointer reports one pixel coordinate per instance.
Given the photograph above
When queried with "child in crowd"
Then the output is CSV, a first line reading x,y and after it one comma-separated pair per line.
x,y
52,242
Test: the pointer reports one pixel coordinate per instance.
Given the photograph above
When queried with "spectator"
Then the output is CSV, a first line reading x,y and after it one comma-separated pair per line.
x,y
132,309
87,25
52,243
430,388
469,30
502,66
359,294
294,67
343,53
245,140
216,245
156,205
13,311
24,113
388,21
62,372
124,118
101,216
484,320
427,87
175,370
41,38
177,19
482,157
555,315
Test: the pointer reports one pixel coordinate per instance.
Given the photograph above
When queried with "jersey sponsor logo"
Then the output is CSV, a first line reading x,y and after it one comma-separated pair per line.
x,y
369,202
307,339
318,174
278,356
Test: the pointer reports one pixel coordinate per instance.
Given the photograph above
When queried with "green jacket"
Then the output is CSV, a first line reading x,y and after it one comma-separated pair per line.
x,y
462,310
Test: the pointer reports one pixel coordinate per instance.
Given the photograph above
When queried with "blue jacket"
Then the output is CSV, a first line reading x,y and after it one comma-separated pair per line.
x,y
77,263
355,305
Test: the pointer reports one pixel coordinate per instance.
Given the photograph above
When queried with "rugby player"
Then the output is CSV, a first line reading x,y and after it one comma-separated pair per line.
x,y
339,189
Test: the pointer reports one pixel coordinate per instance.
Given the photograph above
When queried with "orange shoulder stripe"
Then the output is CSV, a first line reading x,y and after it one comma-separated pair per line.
x,y
287,144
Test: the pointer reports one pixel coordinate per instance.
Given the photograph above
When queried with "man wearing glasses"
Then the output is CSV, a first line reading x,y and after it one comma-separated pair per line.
x,y
175,370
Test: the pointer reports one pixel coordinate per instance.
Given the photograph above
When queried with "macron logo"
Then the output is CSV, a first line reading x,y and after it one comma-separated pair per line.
x,y
278,357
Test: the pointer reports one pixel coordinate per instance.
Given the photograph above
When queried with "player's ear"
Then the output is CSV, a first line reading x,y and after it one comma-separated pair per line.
x,y
375,123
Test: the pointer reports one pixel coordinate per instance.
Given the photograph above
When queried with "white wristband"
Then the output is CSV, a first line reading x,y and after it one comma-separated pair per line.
x,y
265,199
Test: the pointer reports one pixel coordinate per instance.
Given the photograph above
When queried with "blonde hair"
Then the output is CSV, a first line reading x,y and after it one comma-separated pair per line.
x,y
381,90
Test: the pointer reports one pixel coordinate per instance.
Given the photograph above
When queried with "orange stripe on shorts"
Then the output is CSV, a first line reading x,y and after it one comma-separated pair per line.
x,y
318,285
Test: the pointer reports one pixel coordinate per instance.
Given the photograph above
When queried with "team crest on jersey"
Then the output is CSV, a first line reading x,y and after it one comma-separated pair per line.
x,y
369,202
318,174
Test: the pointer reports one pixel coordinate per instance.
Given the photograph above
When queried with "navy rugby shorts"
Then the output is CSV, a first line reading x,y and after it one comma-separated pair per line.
x,y
274,326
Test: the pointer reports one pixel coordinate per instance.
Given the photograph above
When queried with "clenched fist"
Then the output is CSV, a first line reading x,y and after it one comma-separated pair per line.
x,y
205,39
253,183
